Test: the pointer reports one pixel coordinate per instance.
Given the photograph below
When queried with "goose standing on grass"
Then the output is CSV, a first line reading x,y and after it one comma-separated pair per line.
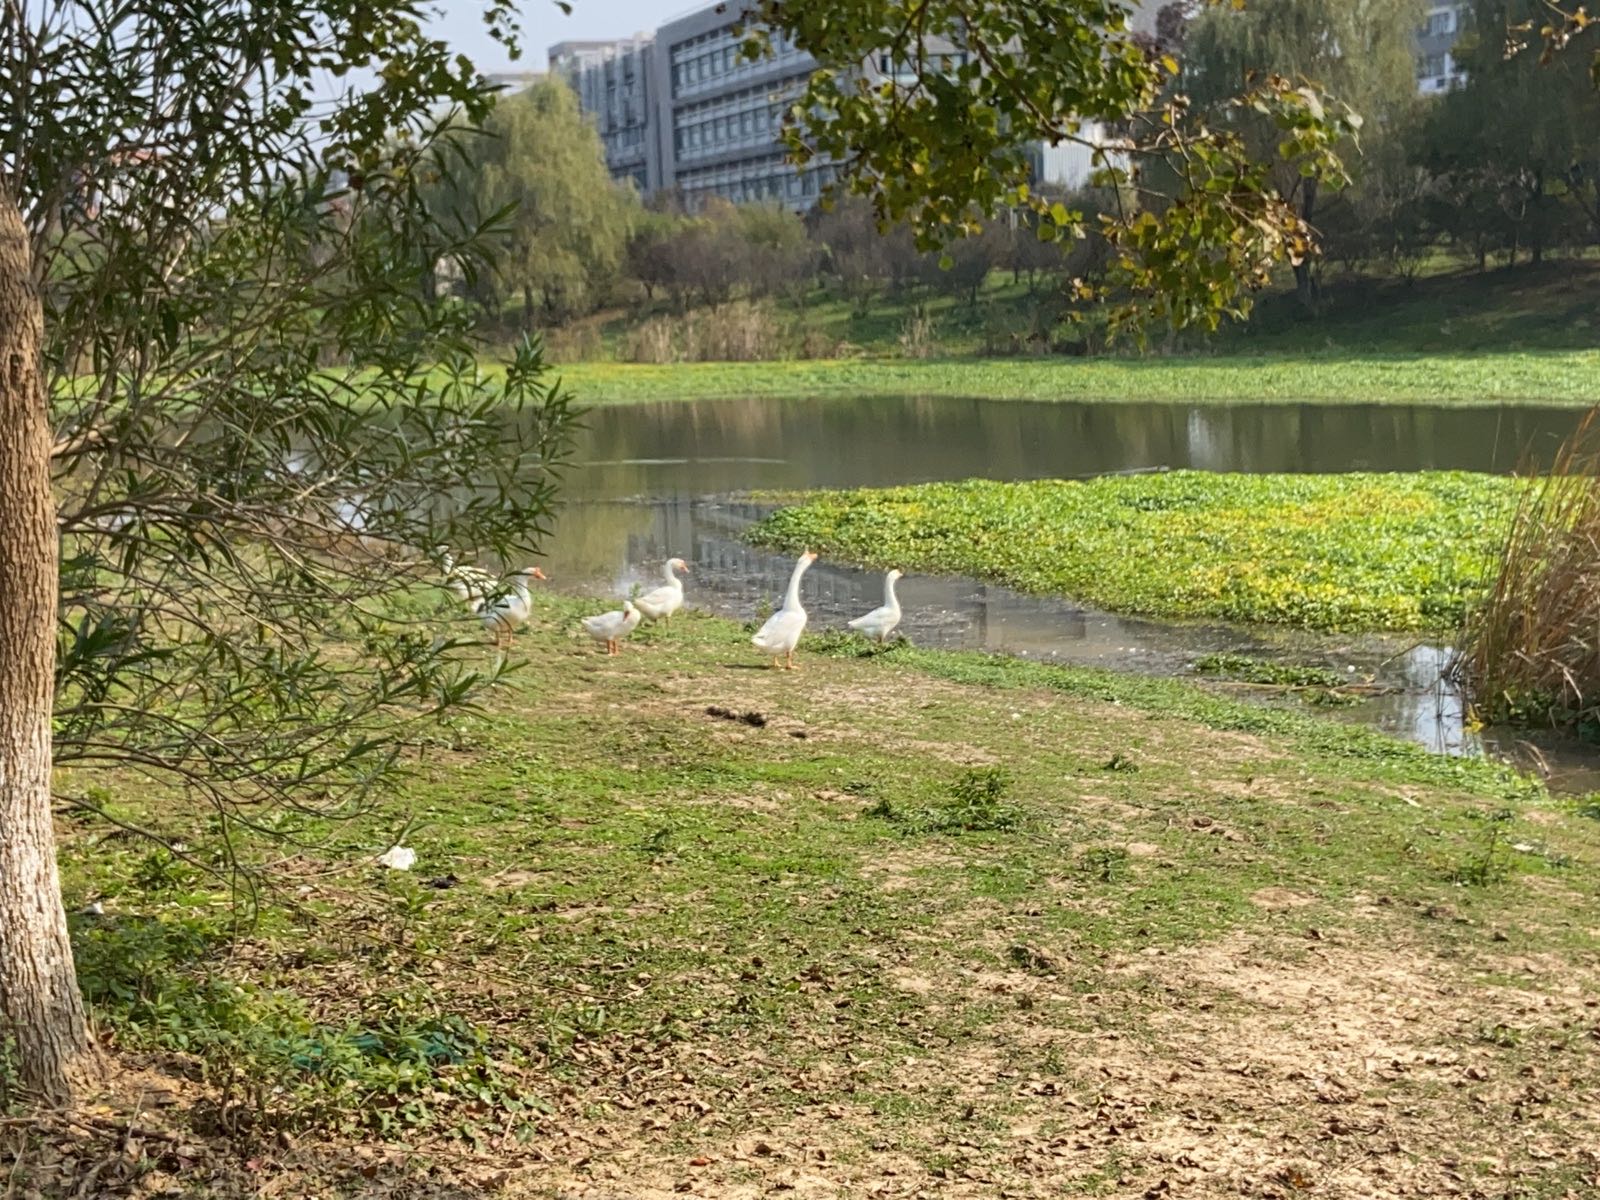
x,y
468,584
658,604
612,627
504,614
781,634
880,622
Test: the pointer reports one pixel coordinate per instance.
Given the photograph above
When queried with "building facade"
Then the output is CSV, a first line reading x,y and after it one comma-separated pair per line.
x,y
1437,69
615,86
720,114
683,111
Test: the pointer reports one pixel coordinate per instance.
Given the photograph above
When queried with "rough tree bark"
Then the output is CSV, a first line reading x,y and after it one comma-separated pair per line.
x,y
1305,283
39,998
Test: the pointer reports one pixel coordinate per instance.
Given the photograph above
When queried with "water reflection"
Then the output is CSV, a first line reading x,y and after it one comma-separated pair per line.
x,y
654,481
719,446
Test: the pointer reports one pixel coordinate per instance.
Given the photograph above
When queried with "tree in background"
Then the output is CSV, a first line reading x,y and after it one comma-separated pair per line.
x,y
710,257
1521,133
1390,218
854,251
946,145
963,269
1359,53
540,162
780,259
231,426
650,259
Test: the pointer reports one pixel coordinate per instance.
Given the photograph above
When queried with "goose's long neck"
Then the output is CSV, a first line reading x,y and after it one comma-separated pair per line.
x,y
669,574
889,600
791,598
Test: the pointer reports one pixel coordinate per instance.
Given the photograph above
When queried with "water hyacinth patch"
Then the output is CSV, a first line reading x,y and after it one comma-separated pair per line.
x,y
1328,552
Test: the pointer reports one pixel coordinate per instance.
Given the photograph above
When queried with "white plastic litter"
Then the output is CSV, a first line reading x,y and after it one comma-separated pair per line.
x,y
398,858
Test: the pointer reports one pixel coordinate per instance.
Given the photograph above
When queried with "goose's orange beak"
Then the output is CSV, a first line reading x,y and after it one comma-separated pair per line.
x,y
538,574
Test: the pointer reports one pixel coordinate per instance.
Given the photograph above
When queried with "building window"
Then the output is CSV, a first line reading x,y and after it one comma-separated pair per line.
x,y
1430,66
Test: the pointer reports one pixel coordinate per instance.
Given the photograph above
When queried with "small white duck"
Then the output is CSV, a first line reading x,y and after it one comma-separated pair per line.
x,y
881,621
781,634
504,614
612,627
658,604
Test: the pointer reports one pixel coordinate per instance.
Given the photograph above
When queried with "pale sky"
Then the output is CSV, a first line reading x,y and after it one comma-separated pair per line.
x,y
543,24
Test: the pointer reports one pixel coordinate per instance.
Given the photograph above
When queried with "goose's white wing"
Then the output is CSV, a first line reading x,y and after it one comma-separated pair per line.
x,y
510,610
658,602
605,626
782,631
878,618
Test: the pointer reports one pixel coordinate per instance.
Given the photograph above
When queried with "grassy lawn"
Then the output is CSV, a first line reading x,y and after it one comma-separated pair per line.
x,y
921,924
1503,337
1543,377
1331,552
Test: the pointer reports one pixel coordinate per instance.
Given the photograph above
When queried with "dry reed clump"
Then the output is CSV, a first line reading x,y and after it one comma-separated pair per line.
x,y
574,343
917,335
1530,650
743,331
651,341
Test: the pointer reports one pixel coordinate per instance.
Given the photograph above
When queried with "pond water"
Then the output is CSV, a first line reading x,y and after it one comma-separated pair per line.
x,y
658,480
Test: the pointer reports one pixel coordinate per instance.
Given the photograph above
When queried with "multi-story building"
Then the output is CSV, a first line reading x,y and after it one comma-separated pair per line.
x,y
684,111
615,86
1437,69
720,114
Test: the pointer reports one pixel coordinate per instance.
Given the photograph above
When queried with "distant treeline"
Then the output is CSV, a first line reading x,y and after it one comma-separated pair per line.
x,y
1502,168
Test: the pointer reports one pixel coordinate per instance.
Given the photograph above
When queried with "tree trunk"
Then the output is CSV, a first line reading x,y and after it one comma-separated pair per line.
x,y
38,987
1536,255
1305,283
527,306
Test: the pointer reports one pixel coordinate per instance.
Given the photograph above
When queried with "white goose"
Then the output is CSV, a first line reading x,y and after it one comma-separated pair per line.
x,y
781,634
612,627
468,584
880,622
504,614
658,604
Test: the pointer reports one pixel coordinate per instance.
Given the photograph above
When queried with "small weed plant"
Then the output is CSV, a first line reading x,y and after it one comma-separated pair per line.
x,y
975,803
1490,860
1255,670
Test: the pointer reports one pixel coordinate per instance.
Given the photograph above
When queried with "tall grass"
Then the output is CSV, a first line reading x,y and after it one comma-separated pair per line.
x,y
1530,650
917,335
574,343
743,331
